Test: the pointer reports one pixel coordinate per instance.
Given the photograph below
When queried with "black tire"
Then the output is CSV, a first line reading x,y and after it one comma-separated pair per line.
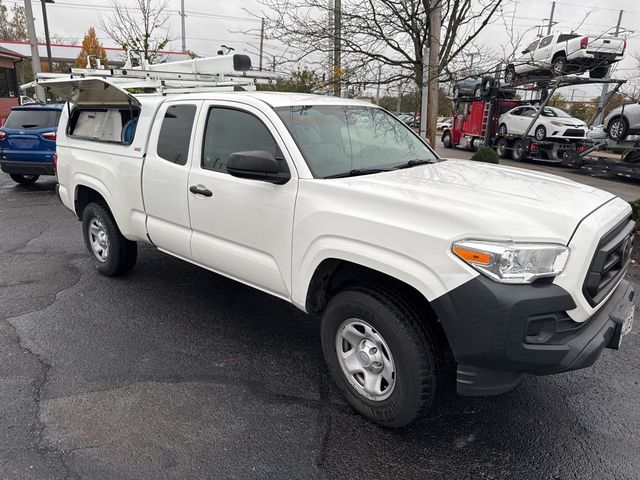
x,y
501,147
632,157
617,128
510,77
120,254
447,141
519,152
502,129
477,93
540,133
23,179
559,66
418,359
599,72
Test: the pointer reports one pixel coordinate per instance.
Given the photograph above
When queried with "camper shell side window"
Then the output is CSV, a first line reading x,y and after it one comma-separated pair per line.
x,y
104,123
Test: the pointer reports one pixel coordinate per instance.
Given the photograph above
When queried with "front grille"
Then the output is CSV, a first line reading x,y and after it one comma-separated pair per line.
x,y
609,262
573,132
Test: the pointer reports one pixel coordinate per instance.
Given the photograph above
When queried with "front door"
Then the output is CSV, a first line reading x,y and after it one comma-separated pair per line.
x,y
242,228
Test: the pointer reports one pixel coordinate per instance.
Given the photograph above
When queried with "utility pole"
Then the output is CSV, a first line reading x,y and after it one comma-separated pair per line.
x,y
261,41
435,25
337,46
553,9
184,34
399,101
424,92
46,31
605,87
571,102
35,56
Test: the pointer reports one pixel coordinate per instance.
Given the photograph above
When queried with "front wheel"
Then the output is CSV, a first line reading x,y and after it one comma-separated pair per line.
x,y
112,253
24,179
540,133
510,76
382,355
446,140
559,66
617,129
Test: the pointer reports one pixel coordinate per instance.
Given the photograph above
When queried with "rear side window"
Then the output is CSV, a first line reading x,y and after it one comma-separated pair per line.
x,y
175,133
566,37
26,119
113,125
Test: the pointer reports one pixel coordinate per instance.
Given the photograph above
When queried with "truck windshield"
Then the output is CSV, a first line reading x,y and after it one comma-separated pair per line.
x,y
338,139
39,118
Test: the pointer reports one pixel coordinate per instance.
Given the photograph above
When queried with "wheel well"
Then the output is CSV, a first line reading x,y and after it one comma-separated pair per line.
x,y
558,54
333,276
85,196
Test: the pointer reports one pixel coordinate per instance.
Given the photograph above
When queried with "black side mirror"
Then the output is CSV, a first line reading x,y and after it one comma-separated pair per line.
x,y
524,52
258,165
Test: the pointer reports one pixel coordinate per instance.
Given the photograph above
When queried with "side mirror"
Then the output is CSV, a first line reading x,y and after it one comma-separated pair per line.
x,y
524,52
257,165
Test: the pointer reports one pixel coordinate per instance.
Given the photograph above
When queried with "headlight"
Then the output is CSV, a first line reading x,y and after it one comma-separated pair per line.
x,y
559,124
513,262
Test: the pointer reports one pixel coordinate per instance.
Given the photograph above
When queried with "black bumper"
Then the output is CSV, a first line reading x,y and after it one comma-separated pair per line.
x,y
27,168
499,332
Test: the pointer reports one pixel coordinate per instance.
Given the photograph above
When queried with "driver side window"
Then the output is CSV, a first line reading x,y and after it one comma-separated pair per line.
x,y
229,131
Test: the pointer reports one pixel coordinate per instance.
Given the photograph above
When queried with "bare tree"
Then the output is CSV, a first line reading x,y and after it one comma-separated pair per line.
x,y
142,29
391,33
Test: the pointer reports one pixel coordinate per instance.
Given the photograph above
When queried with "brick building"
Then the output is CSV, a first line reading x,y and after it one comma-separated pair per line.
x,y
9,91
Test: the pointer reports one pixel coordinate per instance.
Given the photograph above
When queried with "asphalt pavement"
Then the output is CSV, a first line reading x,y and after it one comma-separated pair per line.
x,y
175,372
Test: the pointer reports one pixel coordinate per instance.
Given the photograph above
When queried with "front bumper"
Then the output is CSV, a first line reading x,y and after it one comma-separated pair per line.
x,y
499,332
27,168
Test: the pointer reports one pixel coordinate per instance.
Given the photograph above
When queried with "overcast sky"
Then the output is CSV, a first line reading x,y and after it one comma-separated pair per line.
x,y
212,23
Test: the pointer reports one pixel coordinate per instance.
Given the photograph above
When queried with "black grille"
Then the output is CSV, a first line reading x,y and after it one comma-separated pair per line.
x,y
573,132
609,262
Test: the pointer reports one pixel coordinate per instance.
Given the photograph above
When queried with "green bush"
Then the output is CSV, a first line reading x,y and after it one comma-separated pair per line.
x,y
487,155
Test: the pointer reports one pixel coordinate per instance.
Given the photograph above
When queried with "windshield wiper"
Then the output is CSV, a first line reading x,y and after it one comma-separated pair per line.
x,y
411,163
357,171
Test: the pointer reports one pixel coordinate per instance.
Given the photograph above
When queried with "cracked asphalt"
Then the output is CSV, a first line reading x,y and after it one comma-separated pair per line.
x,y
175,372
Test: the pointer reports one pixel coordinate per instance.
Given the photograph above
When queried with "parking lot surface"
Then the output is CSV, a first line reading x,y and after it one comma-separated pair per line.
x,y
175,372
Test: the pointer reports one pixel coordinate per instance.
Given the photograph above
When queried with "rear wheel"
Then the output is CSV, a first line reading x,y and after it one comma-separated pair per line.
x,y
477,93
510,76
599,72
501,147
382,354
519,152
112,253
502,129
24,179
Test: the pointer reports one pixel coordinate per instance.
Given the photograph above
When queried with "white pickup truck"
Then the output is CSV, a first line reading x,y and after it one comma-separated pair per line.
x,y
411,261
562,53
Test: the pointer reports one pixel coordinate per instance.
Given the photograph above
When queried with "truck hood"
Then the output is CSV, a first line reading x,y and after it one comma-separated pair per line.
x,y
488,200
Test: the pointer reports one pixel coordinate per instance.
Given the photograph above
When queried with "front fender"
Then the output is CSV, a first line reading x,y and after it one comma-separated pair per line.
x,y
399,266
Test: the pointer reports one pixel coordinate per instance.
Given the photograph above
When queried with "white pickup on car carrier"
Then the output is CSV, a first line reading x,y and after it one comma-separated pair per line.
x,y
411,261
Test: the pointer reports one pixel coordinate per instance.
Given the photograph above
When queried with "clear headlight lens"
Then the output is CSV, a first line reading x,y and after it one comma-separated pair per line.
x,y
560,124
513,262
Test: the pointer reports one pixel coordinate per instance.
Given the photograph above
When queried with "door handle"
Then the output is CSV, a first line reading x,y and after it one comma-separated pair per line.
x,y
201,190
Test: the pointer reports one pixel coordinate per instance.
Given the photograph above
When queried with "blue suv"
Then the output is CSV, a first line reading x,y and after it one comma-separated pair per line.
x,y
28,141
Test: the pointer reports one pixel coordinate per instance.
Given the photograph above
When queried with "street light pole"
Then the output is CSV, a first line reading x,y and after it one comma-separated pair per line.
x,y
46,31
